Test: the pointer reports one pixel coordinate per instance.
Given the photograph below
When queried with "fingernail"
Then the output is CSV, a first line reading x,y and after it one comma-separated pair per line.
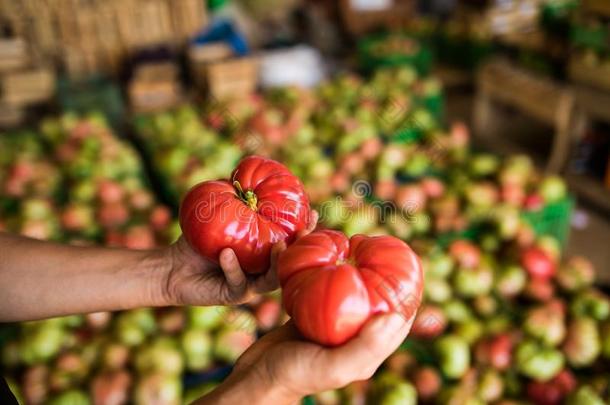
x,y
229,255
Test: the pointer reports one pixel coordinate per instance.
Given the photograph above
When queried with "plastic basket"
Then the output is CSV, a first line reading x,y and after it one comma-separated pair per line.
x,y
92,94
421,60
462,52
590,37
553,220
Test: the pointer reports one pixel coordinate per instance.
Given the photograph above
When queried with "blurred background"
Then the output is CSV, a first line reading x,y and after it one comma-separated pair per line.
x,y
478,131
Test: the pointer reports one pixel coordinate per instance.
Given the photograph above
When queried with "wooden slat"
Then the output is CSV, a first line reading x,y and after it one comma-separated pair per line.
x,y
535,95
596,76
601,7
593,102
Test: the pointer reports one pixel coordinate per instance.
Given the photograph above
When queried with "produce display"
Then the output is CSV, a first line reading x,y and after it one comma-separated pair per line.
x,y
505,318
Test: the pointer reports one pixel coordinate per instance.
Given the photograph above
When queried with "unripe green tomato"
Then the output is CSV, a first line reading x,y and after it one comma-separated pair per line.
x,y
584,395
491,386
197,346
510,281
71,397
440,265
437,290
470,330
582,345
457,311
403,393
454,355
473,282
538,362
206,318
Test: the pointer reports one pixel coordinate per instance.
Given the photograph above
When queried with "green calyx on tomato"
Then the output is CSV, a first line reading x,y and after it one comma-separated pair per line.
x,y
248,196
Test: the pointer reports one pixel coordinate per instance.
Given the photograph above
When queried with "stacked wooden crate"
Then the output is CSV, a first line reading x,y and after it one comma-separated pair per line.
x,y
217,71
94,35
154,87
22,83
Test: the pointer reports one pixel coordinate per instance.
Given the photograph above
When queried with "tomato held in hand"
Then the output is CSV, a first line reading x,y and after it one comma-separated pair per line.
x,y
332,285
262,204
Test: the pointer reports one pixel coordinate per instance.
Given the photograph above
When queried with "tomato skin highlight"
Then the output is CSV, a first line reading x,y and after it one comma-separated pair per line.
x,y
332,285
262,204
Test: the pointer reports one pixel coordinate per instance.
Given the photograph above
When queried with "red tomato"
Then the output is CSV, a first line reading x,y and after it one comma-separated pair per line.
x,y
429,323
466,253
332,285
261,205
495,351
537,263
554,391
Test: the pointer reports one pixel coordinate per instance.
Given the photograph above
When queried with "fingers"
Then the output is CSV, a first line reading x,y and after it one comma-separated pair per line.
x,y
236,279
359,358
269,281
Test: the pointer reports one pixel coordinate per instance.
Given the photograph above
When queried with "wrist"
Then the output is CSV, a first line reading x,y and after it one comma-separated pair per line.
x,y
156,266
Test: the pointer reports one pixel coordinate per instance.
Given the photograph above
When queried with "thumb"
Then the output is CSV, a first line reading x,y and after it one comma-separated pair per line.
x,y
236,279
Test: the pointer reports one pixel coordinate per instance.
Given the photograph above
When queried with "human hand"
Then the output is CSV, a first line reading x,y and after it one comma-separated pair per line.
x,y
191,279
282,367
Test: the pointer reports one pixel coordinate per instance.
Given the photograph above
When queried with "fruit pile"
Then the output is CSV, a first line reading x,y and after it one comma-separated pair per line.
x,y
76,182
30,186
138,356
184,151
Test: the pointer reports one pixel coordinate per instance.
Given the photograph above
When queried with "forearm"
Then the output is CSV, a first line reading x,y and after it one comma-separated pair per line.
x,y
251,388
40,279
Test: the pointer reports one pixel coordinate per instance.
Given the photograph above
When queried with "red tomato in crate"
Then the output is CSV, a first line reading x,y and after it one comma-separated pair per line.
x,y
332,284
537,263
262,204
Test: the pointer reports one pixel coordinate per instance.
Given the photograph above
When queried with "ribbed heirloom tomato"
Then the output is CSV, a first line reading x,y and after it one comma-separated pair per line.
x,y
262,204
332,284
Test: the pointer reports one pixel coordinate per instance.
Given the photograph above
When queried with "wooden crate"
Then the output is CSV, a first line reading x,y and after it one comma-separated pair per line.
x,y
521,16
100,33
159,71
153,96
201,56
499,82
11,116
601,7
362,16
28,87
188,17
13,54
596,76
233,77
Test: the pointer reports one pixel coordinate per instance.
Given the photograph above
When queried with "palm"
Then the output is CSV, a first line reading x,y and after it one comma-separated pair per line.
x,y
194,280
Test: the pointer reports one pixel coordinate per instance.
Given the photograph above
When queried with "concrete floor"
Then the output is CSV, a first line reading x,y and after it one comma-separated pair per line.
x,y
590,234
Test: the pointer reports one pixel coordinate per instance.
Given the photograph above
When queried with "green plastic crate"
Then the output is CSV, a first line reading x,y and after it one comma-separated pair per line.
x,y
94,93
595,38
420,60
554,219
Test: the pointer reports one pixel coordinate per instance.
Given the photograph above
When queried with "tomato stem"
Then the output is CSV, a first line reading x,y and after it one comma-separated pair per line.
x,y
246,196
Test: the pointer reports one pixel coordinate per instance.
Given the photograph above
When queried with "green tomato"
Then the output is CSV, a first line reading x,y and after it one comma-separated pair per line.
x,y
454,355
71,397
538,362
206,318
